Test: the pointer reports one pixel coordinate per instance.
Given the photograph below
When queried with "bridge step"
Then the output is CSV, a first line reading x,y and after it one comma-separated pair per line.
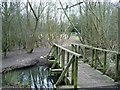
x,y
66,87
51,61
56,70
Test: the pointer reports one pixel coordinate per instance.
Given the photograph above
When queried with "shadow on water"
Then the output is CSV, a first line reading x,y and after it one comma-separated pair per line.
x,y
33,77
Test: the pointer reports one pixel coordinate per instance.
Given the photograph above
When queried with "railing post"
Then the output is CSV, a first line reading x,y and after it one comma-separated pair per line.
x,y
58,55
84,56
105,61
67,62
75,72
95,58
65,70
72,47
93,52
55,52
117,67
76,48
79,50
72,73
63,59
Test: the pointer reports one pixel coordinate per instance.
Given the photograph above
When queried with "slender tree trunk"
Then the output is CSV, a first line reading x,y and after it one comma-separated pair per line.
x,y
119,37
119,28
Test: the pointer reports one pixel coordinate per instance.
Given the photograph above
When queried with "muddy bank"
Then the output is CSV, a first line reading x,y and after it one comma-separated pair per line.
x,y
21,59
29,63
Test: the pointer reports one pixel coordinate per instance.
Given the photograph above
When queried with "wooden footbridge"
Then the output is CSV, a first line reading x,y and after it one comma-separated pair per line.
x,y
76,70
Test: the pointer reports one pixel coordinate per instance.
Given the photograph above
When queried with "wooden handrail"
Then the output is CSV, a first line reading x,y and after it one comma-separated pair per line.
x,y
65,70
100,49
95,58
58,51
67,50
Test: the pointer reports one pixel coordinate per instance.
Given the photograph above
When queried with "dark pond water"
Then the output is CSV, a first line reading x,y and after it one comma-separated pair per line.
x,y
33,77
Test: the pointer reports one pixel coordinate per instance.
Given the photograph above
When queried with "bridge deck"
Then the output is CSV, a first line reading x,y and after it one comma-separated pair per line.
x,y
91,78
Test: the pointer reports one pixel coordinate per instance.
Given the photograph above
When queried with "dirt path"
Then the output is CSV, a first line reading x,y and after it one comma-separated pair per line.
x,y
20,58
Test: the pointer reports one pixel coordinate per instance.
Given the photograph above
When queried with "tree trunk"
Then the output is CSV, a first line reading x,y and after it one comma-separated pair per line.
x,y
119,28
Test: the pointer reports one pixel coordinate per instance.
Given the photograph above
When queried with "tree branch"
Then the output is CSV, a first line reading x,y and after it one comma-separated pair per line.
x,y
78,33
71,6
33,11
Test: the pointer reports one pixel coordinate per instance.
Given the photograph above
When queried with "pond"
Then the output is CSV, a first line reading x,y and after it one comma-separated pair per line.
x,y
36,77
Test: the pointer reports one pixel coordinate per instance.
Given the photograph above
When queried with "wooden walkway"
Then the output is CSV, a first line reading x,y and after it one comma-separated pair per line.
x,y
87,77
91,78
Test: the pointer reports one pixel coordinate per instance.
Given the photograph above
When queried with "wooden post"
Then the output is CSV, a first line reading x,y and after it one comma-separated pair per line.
x,y
117,68
72,73
95,59
63,59
75,72
84,56
55,51
72,47
67,62
52,52
105,59
59,55
65,70
79,50
76,48
93,52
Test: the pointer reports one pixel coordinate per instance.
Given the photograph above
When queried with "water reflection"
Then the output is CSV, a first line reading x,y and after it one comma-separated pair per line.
x,y
34,78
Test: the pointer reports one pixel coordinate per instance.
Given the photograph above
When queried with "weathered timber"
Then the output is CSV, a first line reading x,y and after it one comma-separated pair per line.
x,y
93,52
117,68
75,72
65,70
105,62
84,56
67,50
95,59
100,49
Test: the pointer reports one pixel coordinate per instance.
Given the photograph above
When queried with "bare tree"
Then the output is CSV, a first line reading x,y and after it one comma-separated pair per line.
x,y
32,42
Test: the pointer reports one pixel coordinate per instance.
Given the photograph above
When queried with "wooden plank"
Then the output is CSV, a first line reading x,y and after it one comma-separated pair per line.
x,y
65,70
67,50
117,68
56,70
76,49
72,74
100,49
105,62
75,72
84,56
50,50
95,59
51,61
90,78
66,87
63,59
79,49
93,52
67,62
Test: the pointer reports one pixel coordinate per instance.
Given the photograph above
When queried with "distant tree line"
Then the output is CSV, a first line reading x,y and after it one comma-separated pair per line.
x,y
26,25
